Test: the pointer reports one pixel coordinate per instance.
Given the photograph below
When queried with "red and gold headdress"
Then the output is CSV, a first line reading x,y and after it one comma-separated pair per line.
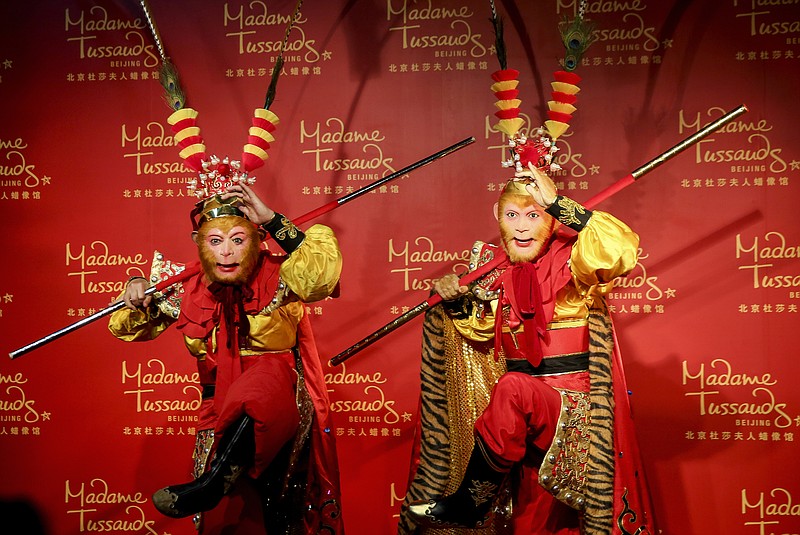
x,y
216,175
539,147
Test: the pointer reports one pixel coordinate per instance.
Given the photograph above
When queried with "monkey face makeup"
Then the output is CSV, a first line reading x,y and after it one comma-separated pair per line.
x,y
525,227
229,249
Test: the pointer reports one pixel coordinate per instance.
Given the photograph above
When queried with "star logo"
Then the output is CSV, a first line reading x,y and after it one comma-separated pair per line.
x,y
7,64
45,416
595,169
670,293
326,55
406,416
795,165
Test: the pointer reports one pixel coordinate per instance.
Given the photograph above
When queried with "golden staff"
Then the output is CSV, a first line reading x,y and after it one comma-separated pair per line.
x,y
469,278
194,268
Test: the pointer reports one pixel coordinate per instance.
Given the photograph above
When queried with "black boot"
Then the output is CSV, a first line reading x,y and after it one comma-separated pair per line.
x,y
234,455
470,506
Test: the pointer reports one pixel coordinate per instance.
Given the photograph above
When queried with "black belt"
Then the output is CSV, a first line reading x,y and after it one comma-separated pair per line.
x,y
208,391
579,362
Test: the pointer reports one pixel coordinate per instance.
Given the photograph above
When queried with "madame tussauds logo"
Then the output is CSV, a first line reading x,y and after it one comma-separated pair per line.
x,y
88,261
638,284
14,403
722,378
762,17
96,503
332,135
424,251
258,16
374,408
765,254
138,143
95,22
759,149
14,169
146,380
416,16
770,510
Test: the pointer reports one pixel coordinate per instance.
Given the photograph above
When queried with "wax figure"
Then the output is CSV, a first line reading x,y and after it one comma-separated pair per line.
x,y
524,419
265,408
535,316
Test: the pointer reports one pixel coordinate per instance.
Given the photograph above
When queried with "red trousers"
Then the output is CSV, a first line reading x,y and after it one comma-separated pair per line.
x,y
518,426
266,392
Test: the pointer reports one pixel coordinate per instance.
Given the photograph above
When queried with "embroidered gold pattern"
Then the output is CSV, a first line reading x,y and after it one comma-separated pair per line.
x,y
277,300
482,491
471,372
203,442
479,256
287,231
564,469
568,209
168,301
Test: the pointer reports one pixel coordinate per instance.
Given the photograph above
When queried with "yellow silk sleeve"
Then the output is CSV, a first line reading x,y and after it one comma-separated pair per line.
x,y
606,248
138,325
313,269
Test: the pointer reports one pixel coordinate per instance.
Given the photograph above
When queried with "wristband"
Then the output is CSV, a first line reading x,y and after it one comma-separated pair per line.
x,y
569,213
288,236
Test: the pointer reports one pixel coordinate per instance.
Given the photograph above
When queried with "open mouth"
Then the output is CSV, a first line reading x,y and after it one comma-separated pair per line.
x,y
523,243
227,268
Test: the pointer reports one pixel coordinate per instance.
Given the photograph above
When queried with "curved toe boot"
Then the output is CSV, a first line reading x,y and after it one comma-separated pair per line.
x,y
471,505
234,455
202,494
452,511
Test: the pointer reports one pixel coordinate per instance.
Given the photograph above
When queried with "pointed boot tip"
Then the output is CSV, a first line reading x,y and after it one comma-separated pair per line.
x,y
164,501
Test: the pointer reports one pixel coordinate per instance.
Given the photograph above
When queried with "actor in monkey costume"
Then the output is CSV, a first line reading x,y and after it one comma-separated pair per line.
x,y
523,352
265,408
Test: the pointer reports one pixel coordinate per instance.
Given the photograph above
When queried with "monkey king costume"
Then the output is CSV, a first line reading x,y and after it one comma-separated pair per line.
x,y
525,425
265,408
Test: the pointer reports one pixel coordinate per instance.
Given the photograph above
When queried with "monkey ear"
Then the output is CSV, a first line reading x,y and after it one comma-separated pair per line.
x,y
194,237
495,211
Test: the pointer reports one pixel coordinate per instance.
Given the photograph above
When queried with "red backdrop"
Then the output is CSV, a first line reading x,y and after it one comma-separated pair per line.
x,y
91,185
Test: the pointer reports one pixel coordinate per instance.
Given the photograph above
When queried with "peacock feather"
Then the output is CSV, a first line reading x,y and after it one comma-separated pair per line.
x,y
576,35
